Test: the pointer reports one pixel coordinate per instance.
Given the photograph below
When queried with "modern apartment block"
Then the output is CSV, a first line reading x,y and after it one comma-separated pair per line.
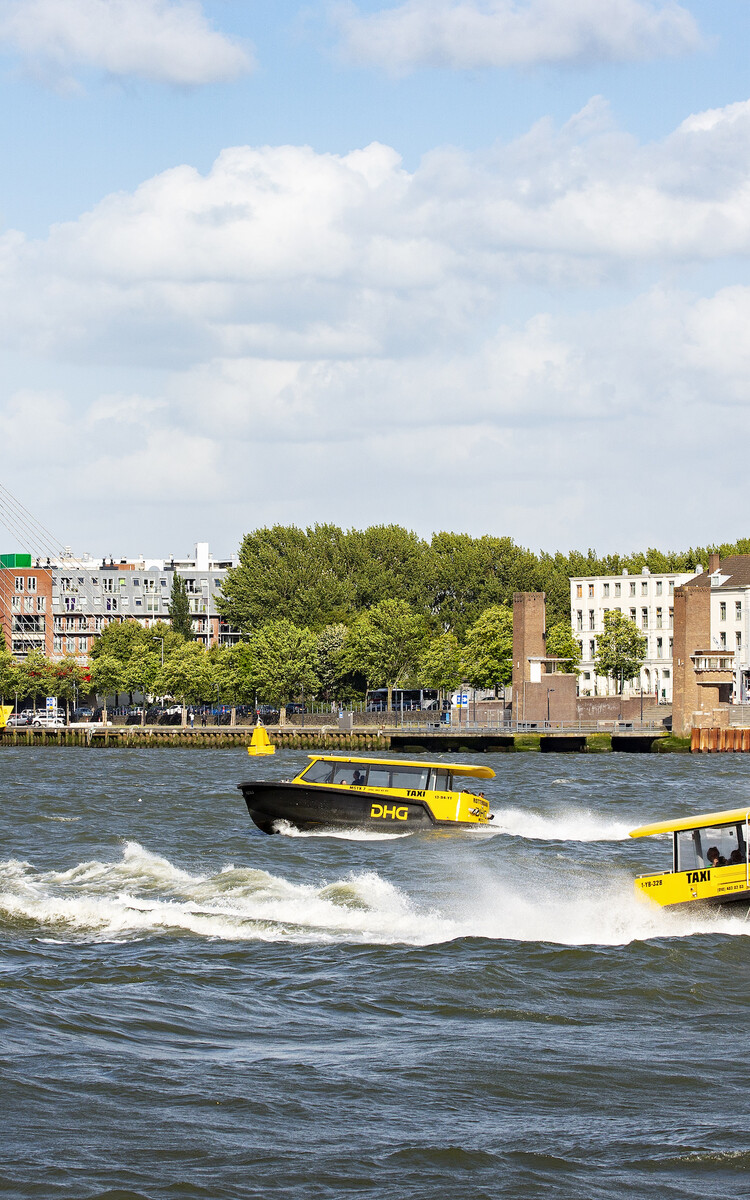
x,y
646,599
60,606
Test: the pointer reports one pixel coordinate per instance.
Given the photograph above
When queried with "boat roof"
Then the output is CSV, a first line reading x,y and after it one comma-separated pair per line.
x,y
454,768
726,817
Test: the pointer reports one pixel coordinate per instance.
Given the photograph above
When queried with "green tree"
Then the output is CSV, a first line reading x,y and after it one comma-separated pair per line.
x,y
330,664
621,649
233,676
562,644
385,644
35,676
187,675
68,682
179,609
107,678
488,655
289,573
140,674
284,661
441,664
9,675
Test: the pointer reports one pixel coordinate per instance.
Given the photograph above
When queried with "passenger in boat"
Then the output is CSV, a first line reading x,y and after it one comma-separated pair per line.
x,y
716,859
359,779
736,856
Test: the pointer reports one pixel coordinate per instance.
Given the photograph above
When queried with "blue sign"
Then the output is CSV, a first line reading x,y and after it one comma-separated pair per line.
x,y
462,700
51,704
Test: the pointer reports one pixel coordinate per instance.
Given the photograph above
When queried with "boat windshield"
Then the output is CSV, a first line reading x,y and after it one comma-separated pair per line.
x,y
711,846
318,772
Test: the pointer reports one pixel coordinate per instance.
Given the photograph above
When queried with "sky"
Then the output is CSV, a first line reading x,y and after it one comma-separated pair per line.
x,y
478,265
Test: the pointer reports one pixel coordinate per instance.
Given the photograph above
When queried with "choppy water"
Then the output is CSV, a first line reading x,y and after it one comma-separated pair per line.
x,y
190,1009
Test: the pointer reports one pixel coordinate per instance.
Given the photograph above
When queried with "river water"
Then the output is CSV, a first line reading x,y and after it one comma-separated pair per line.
x,y
191,1009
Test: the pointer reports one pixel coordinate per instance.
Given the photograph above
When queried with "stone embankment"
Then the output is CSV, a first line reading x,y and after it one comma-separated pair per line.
x,y
362,740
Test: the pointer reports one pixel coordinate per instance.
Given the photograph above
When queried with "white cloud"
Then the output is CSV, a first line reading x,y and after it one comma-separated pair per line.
x,y
335,337
284,253
514,33
169,41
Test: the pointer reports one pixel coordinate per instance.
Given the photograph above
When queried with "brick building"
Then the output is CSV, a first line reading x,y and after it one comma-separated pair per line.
x,y
60,606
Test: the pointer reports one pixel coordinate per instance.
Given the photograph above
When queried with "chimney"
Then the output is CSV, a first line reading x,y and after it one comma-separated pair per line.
x,y
713,563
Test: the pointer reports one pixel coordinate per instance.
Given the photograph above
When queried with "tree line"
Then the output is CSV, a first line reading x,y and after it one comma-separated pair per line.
x,y
324,575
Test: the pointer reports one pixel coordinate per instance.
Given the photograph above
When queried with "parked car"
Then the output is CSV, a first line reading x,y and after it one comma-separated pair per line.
x,y
268,714
16,720
45,721
82,714
293,708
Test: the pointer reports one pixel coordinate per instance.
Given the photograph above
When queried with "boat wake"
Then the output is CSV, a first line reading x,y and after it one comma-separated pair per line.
x,y
347,835
570,825
144,895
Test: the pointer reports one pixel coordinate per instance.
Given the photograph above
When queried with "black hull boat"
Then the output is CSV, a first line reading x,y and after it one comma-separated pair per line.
x,y
323,808
384,795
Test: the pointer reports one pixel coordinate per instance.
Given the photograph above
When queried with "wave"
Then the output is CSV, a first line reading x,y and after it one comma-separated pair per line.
x,y
347,835
144,895
570,825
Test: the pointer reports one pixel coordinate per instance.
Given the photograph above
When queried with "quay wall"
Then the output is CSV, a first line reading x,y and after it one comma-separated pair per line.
x,y
362,741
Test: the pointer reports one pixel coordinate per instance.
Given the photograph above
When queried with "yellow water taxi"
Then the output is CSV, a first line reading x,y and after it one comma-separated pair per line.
x,y
370,793
710,860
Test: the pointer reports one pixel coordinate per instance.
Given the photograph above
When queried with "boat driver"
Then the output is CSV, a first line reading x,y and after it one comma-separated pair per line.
x,y
716,859
358,779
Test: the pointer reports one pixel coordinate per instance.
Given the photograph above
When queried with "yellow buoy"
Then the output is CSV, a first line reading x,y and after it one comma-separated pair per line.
x,y
260,742
5,711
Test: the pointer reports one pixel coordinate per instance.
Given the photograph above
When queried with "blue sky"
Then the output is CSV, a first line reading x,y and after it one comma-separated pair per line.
x,y
470,264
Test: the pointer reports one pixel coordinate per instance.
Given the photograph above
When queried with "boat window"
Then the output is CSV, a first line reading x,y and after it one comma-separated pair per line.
x,y
398,777
318,772
410,777
439,781
350,773
694,846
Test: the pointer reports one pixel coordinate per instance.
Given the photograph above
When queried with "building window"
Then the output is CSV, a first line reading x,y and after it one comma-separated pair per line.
x,y
19,583
28,604
136,583
659,648
31,583
671,646
70,645
605,589
659,586
592,648
83,645
15,603
108,584
618,589
592,618
632,615
580,649
632,587
738,610
41,603
658,618
57,644
644,618
738,639
671,587
671,618
723,640
644,589
586,674
579,618
723,611
591,589
666,674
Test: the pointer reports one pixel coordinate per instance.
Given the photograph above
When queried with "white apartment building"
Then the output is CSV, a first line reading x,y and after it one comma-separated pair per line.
x,y
645,599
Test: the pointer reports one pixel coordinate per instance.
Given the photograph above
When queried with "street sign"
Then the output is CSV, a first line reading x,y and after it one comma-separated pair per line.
x,y
462,700
51,704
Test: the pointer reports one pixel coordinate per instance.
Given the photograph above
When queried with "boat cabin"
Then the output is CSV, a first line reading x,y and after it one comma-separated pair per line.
x,y
388,774
710,859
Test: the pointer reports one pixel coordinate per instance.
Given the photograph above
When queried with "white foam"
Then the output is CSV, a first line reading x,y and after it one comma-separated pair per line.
x,y
144,895
346,835
568,825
